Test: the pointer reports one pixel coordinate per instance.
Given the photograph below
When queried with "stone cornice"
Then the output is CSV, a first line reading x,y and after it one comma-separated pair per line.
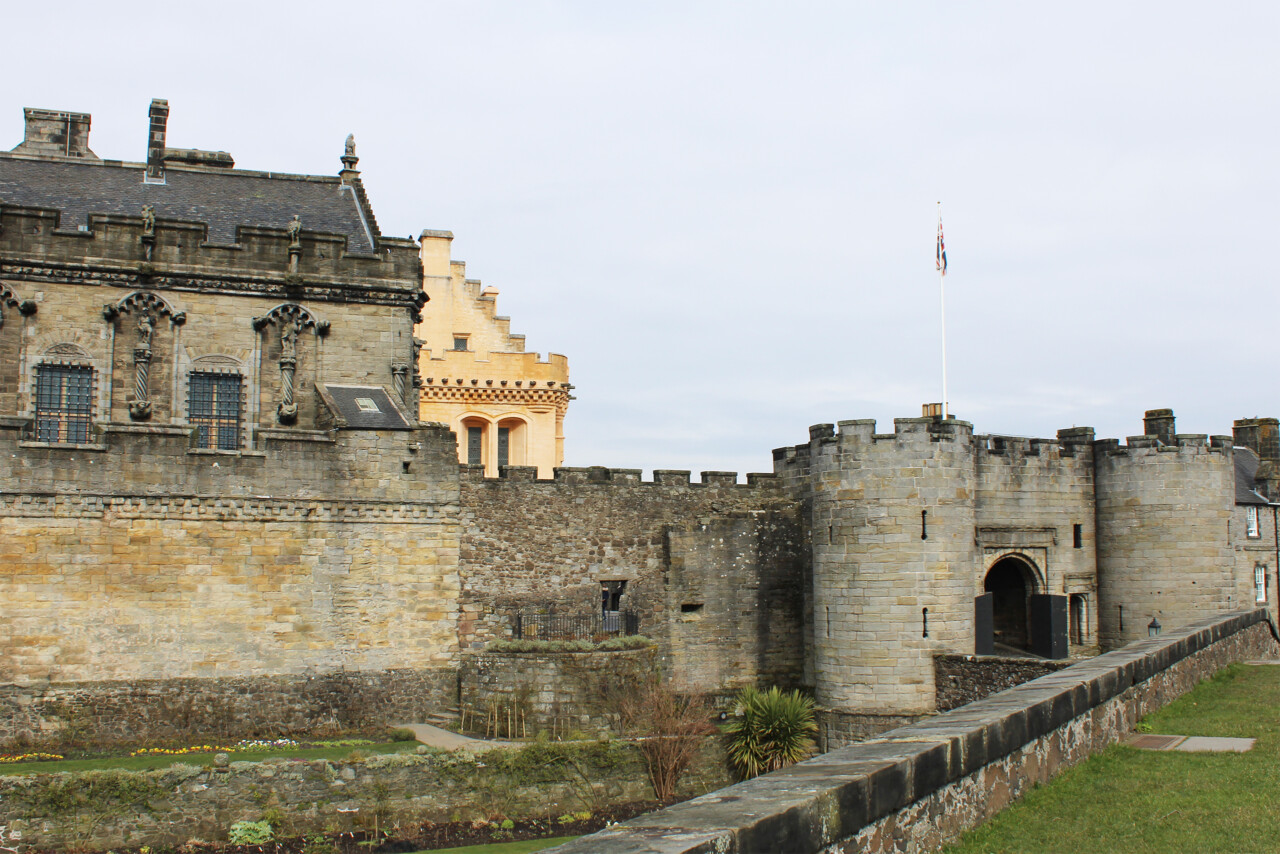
x,y
303,289
221,508
480,392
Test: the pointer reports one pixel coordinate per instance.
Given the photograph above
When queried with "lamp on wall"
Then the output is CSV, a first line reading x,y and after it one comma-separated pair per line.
x,y
1153,627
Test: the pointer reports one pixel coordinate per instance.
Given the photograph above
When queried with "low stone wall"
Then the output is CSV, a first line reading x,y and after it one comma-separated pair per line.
x,y
143,709
561,693
112,809
964,679
920,786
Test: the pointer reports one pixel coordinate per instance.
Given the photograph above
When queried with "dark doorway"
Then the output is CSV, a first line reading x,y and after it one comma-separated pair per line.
x,y
1010,587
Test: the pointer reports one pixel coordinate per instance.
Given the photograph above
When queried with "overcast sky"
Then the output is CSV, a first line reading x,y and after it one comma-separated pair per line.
x,y
724,213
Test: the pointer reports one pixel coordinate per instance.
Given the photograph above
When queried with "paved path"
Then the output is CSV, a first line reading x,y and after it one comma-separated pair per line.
x,y
434,736
1190,743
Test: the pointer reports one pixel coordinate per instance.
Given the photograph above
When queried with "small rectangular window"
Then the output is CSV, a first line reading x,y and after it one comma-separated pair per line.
x,y
1260,583
64,404
213,408
1077,536
367,404
1251,526
459,342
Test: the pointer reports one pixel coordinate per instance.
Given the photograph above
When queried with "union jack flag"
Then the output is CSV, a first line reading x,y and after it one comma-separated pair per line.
x,y
942,251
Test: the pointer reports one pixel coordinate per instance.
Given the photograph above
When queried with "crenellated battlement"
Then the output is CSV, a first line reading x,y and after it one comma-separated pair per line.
x,y
601,475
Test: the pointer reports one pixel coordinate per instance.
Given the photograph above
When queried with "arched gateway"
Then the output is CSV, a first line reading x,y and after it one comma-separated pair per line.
x,y
1011,581
1015,613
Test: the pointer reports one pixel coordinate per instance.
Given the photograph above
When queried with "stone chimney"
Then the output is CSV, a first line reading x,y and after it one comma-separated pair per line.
x,y
54,133
1260,435
155,140
1159,423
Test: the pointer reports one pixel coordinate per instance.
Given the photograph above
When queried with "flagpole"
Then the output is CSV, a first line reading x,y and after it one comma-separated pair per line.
x,y
942,300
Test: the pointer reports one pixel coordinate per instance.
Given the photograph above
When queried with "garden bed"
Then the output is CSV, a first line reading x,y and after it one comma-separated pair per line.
x,y
425,836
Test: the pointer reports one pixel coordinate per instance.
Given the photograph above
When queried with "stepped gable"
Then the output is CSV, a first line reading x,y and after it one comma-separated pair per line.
x,y
225,199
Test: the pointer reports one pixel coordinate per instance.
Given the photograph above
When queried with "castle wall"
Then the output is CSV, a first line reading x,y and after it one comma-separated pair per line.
x,y
1164,540
141,558
733,552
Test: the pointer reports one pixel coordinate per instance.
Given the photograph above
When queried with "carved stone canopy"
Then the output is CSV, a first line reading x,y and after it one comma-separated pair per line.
x,y
291,312
143,301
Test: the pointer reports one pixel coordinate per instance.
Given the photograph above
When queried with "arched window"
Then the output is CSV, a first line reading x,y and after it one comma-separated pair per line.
x,y
64,403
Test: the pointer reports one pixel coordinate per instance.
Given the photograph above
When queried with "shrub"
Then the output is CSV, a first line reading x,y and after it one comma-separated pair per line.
x,y
250,833
672,727
401,734
770,730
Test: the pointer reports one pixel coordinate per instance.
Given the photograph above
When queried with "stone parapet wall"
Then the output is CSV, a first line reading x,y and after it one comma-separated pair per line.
x,y
963,679
140,710
920,786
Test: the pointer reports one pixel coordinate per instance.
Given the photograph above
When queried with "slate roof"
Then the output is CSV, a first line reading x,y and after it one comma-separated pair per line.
x,y
1246,471
222,198
387,417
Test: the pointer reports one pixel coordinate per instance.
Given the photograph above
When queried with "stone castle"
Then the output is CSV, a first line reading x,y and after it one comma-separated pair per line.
x,y
228,485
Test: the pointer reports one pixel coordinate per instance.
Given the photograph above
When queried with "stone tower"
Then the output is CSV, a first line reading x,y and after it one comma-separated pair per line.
x,y
1164,502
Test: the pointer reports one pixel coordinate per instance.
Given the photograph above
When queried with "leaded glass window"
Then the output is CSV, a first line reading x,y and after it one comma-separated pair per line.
x,y
64,404
214,410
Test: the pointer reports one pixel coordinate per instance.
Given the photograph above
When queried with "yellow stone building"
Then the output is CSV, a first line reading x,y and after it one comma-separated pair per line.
x,y
506,406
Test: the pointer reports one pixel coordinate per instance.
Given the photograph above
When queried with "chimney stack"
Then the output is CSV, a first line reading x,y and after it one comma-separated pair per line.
x,y
1260,435
1159,423
155,140
55,133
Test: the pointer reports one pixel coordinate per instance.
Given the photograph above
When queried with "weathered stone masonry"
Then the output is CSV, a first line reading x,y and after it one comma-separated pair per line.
x,y
715,569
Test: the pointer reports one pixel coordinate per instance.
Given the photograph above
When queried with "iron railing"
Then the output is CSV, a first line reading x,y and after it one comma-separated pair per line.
x,y
598,626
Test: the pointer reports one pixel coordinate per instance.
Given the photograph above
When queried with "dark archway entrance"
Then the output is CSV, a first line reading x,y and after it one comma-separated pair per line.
x,y
1010,584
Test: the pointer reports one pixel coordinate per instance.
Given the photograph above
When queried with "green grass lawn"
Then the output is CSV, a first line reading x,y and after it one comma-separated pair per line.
x,y
522,847
1139,801
148,763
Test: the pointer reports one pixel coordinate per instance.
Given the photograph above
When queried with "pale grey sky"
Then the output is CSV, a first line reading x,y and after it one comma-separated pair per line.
x,y
724,213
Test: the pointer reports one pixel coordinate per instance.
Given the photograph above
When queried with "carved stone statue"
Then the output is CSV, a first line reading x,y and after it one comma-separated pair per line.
x,y
289,339
351,145
295,232
146,326
148,220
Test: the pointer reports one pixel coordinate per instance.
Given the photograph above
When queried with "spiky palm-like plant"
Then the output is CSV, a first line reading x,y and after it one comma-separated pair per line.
x,y
770,730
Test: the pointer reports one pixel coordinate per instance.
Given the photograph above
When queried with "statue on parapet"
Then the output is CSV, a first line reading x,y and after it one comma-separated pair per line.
x,y
148,220
351,145
295,232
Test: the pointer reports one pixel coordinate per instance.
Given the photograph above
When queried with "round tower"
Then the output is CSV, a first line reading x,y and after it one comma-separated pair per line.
x,y
893,557
1164,504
